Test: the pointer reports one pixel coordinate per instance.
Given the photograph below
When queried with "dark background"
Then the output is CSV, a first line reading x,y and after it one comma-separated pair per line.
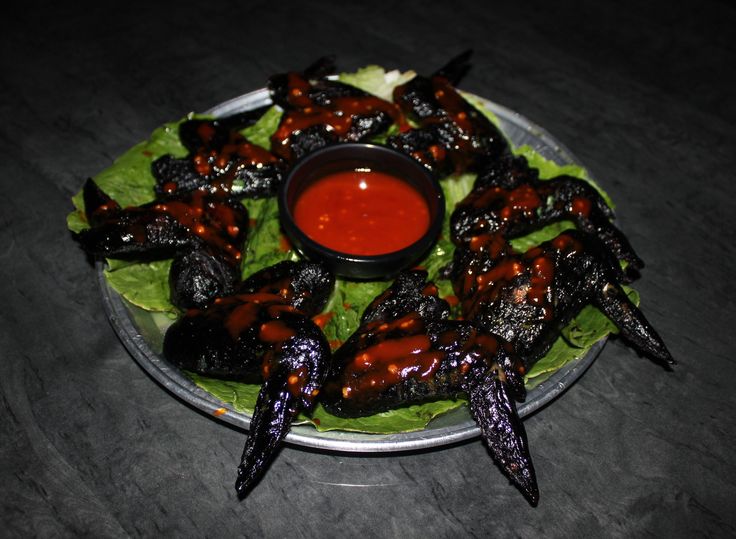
x,y
641,92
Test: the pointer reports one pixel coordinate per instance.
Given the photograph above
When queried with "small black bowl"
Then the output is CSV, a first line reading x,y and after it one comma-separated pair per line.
x,y
352,156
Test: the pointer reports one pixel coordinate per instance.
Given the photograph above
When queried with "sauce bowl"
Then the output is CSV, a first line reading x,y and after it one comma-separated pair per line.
x,y
383,214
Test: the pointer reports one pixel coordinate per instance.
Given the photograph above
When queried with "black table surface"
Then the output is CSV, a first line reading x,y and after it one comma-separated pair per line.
x,y
639,91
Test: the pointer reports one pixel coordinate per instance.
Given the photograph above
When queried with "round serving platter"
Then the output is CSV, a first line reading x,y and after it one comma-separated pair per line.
x,y
142,332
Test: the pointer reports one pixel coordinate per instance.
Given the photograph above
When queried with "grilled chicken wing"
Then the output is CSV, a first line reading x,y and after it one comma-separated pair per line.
x,y
261,334
528,298
220,158
203,232
319,112
406,351
452,135
508,197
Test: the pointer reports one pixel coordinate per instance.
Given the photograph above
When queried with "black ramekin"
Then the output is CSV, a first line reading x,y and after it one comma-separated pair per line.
x,y
352,156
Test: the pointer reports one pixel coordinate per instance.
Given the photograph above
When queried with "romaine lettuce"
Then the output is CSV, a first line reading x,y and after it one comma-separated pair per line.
x,y
129,181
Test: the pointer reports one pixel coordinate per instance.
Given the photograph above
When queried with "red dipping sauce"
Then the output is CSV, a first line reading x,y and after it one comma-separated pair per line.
x,y
362,212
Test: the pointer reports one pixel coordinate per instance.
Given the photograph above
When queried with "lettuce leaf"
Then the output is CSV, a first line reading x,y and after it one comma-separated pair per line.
x,y
260,132
586,329
549,169
266,245
346,306
145,285
130,182
405,419
376,80
242,398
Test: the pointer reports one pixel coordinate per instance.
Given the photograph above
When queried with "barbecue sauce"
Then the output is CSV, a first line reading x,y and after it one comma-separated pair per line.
x,y
362,212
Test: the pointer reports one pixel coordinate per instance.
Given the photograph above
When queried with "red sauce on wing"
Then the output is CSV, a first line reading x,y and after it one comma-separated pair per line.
x,y
212,220
362,212
581,206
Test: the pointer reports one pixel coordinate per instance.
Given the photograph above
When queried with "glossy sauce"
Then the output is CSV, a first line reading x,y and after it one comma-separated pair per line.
x,y
221,165
362,212
339,116
211,219
527,278
393,358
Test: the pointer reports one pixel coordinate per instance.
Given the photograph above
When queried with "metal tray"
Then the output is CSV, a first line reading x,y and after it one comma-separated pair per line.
x,y
142,333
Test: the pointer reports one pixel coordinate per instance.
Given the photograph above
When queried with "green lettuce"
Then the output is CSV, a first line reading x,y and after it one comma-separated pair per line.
x,y
260,132
376,80
145,285
266,245
130,182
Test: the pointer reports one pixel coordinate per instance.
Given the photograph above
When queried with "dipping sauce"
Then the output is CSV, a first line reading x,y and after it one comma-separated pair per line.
x,y
362,212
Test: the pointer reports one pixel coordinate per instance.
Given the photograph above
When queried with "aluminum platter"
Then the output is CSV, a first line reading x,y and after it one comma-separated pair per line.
x,y
142,333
